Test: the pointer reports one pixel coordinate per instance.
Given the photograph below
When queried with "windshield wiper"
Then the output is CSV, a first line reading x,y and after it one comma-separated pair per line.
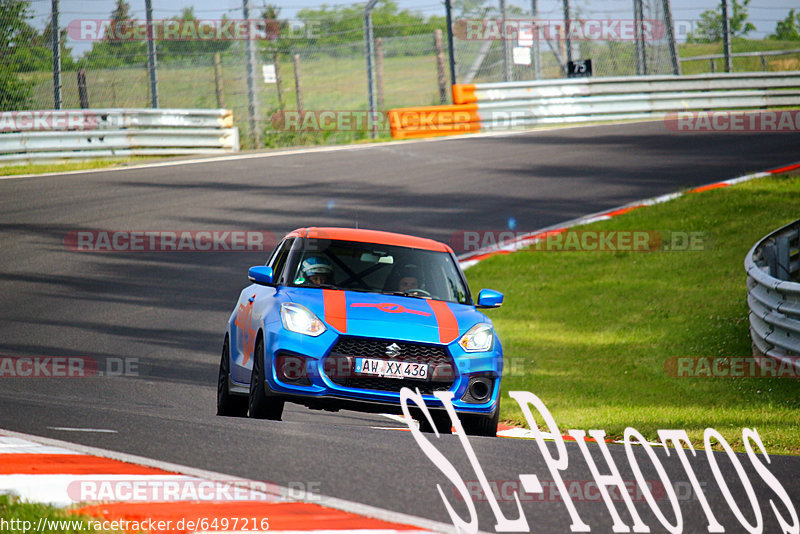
x,y
405,294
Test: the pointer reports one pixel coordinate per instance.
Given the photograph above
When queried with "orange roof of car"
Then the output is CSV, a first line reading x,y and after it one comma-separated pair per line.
x,y
370,236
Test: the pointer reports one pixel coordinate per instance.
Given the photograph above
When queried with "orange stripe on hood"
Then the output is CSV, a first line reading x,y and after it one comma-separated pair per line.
x,y
335,309
448,326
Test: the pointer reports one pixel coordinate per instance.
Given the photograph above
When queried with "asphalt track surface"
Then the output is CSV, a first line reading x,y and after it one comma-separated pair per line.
x,y
168,309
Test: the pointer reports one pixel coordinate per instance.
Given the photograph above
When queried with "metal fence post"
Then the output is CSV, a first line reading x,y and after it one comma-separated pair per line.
x,y
641,51
56,42
370,75
450,50
536,49
151,55
673,46
252,103
567,39
507,75
726,36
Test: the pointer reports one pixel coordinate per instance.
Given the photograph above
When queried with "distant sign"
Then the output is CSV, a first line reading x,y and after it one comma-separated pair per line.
x,y
522,55
525,37
269,73
579,68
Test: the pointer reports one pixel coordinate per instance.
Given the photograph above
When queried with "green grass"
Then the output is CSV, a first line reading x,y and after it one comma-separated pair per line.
x,y
740,64
41,168
589,332
12,509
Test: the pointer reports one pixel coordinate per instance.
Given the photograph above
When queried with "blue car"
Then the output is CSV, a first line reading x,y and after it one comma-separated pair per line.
x,y
343,318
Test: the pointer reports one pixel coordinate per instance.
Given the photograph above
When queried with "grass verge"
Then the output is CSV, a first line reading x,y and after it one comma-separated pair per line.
x,y
18,516
590,332
42,168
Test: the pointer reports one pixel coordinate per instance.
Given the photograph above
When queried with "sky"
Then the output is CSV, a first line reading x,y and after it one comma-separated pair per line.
x,y
762,13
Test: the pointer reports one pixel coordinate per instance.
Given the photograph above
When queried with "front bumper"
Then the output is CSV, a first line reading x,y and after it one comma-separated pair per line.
x,y
325,383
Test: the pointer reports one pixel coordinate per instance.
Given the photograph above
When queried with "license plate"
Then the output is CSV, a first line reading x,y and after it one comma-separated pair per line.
x,y
391,368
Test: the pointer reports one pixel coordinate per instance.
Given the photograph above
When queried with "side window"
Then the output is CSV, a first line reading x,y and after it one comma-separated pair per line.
x,y
278,259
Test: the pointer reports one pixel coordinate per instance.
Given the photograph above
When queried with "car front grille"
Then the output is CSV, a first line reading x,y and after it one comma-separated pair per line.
x,y
376,348
339,364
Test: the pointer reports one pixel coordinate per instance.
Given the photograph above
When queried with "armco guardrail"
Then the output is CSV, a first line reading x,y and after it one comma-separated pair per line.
x,y
522,104
773,294
63,135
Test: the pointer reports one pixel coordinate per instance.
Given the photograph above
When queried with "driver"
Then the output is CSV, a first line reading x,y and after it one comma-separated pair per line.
x,y
410,279
317,271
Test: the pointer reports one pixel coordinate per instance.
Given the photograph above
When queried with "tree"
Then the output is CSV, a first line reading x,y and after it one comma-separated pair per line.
x,y
710,27
345,24
788,29
192,46
119,47
15,34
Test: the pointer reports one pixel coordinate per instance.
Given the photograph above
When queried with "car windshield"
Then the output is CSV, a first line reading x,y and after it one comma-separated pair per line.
x,y
377,268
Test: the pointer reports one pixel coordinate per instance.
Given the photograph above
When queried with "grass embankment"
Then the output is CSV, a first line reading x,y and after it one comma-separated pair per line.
x,y
591,331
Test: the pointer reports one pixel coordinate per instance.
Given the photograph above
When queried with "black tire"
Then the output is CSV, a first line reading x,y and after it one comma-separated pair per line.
x,y
228,405
480,424
440,419
261,405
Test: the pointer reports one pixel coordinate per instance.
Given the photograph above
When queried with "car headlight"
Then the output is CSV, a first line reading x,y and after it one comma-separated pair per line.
x,y
479,338
297,318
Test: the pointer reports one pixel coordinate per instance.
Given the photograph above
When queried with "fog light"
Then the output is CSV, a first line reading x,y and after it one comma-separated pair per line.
x,y
292,369
479,390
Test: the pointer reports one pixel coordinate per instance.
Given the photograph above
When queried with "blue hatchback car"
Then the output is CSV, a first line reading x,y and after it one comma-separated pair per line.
x,y
343,318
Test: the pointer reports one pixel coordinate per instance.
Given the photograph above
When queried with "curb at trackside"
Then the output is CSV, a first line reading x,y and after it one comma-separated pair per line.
x,y
469,259
43,470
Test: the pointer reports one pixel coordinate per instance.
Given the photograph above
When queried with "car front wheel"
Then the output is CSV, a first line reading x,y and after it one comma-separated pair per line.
x,y
481,424
261,405
227,404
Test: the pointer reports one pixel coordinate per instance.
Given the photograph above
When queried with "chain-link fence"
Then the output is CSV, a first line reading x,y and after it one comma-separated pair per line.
x,y
322,51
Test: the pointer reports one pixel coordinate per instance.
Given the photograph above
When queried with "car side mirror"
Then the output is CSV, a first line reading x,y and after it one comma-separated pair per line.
x,y
261,274
489,298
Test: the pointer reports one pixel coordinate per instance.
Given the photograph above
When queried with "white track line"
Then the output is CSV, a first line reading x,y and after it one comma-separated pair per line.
x,y
69,429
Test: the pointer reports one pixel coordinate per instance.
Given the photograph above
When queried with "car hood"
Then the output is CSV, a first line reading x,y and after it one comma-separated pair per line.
x,y
388,316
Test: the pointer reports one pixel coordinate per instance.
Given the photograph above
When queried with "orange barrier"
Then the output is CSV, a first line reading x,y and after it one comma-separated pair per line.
x,y
431,121
464,93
